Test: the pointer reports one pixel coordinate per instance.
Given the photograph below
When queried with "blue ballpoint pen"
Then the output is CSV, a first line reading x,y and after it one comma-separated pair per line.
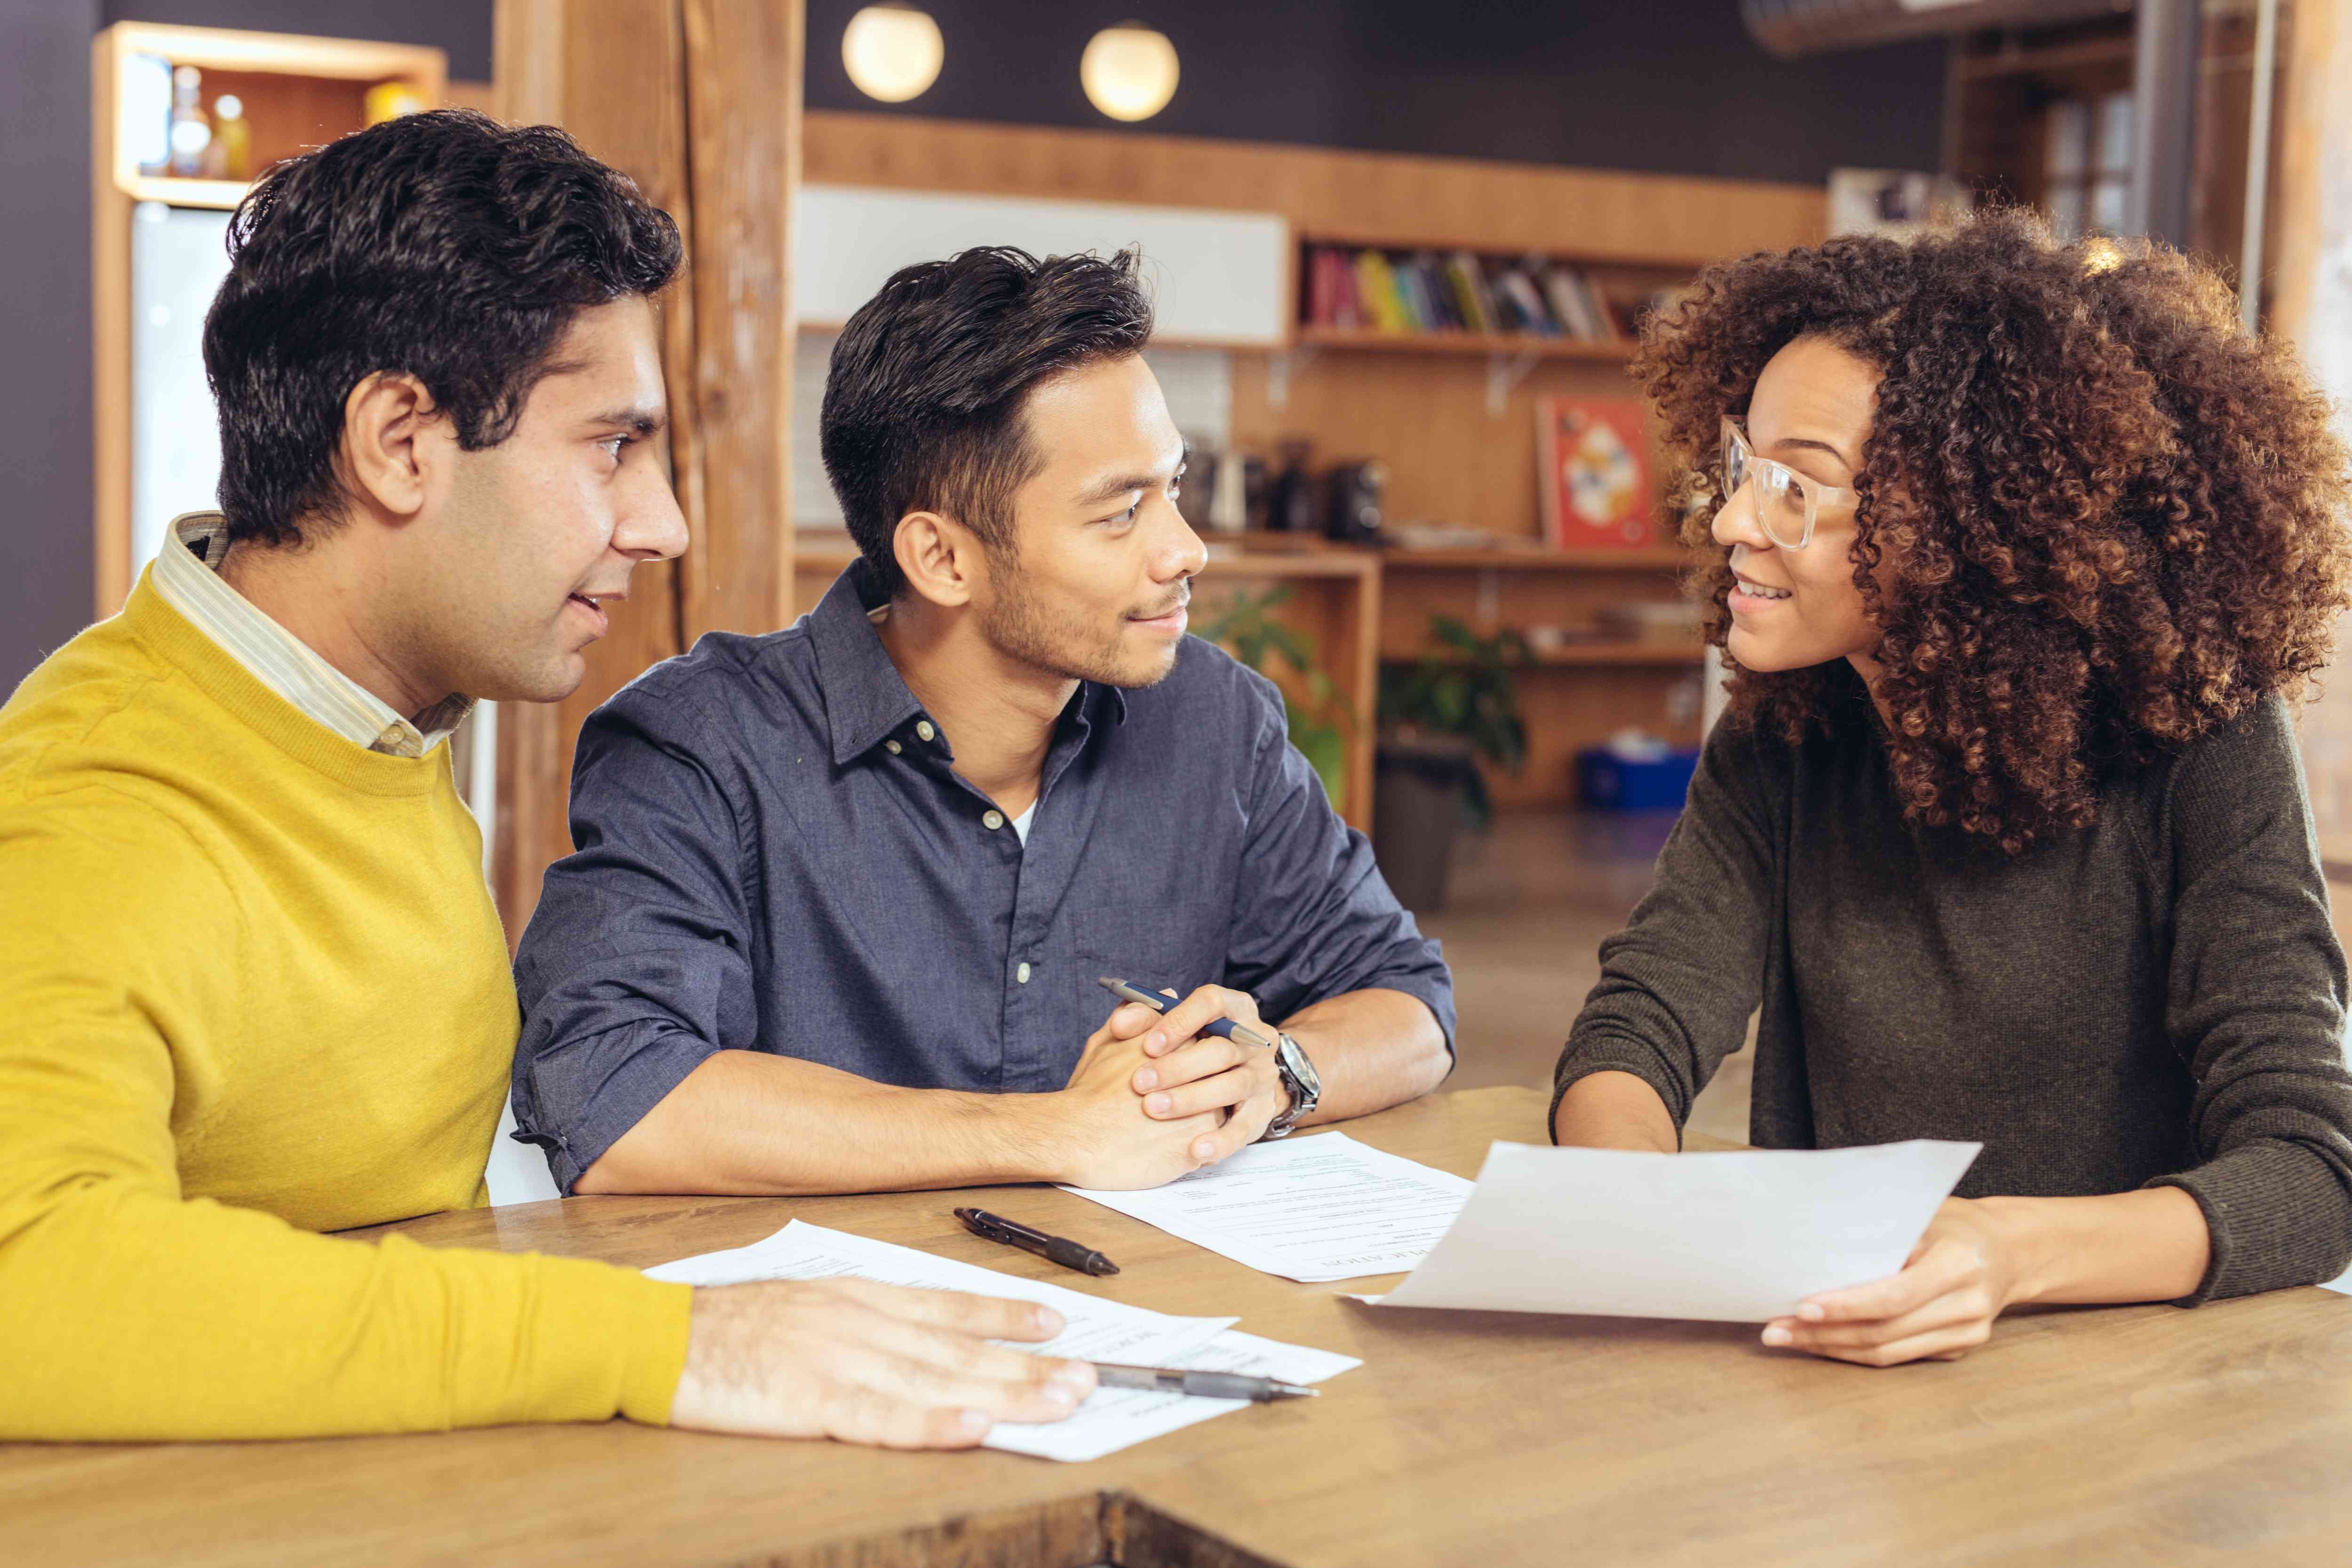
x,y
1240,1034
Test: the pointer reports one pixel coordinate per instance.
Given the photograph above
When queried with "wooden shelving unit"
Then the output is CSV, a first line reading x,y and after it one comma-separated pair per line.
x,y
1597,259
297,92
1525,559
1455,407
179,191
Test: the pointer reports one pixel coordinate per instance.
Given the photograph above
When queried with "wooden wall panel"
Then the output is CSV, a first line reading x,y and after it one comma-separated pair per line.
x,y
1370,196
1425,415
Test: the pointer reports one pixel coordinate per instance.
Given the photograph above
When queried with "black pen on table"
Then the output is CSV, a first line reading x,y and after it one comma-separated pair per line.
x,y
1057,1249
1201,1384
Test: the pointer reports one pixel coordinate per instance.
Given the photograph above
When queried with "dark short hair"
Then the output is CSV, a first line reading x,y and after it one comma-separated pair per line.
x,y
923,406
444,246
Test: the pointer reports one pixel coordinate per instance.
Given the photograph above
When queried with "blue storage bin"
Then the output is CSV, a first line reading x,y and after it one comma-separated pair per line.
x,y
1608,781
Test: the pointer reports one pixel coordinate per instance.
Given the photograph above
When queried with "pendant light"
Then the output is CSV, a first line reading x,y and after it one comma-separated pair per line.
x,y
1128,71
893,52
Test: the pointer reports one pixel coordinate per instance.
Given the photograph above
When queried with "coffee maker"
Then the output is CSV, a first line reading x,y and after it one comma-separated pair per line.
x,y
1354,493
1290,495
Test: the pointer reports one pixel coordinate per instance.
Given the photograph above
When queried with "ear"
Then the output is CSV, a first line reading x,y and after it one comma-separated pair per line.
x,y
384,456
941,558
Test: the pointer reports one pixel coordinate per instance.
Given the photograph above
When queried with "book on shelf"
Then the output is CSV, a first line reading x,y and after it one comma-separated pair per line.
x,y
1331,291
1468,282
1527,302
1376,288
1592,457
1420,310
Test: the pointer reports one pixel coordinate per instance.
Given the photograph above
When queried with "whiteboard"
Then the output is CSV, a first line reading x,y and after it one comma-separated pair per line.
x,y
1218,278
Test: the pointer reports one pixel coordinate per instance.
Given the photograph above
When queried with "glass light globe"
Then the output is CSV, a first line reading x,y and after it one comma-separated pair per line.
x,y
1128,71
893,52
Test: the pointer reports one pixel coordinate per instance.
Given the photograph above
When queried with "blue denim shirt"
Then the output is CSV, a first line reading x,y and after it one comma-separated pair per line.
x,y
773,855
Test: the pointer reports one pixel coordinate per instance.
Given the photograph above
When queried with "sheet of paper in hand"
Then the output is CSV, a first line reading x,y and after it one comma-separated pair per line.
x,y
1734,1237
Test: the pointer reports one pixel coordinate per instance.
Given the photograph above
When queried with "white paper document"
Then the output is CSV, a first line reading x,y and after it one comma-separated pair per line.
x,y
1315,1208
1095,1330
1733,1238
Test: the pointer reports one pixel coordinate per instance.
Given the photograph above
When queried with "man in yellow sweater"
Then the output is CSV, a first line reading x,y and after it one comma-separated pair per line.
x,y
256,986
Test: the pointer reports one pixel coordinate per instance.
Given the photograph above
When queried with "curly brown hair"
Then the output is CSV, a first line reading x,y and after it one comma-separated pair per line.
x,y
2112,519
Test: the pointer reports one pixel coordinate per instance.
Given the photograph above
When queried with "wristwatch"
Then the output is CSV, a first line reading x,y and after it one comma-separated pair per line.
x,y
1299,1077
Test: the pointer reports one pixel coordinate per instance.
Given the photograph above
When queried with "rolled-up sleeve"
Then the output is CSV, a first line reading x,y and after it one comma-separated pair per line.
x,y
1314,918
635,966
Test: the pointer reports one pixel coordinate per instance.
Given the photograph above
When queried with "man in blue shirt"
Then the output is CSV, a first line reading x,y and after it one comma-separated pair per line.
x,y
843,892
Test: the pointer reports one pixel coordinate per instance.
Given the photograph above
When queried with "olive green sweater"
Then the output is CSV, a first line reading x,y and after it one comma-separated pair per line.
x,y
2156,999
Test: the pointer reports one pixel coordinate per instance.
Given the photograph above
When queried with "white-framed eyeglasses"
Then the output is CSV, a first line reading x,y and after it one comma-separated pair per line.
x,y
1786,501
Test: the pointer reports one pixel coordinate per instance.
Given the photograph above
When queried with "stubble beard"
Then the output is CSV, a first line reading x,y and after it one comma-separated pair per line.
x,y
1063,646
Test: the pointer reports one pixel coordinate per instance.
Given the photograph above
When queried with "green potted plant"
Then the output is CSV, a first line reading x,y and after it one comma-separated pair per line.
x,y
1321,717
1440,718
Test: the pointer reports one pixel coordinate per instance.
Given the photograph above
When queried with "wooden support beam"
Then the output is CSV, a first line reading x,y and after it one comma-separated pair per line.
x,y
2311,306
743,118
685,97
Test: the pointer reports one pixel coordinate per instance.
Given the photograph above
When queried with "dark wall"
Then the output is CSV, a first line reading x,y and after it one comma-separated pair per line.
x,y
46,561
45,565
1663,86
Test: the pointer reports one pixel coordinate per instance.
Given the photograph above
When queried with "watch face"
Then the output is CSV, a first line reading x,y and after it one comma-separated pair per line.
x,y
1310,1084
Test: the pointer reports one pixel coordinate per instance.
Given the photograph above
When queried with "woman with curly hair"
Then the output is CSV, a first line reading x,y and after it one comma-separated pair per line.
x,y
2020,551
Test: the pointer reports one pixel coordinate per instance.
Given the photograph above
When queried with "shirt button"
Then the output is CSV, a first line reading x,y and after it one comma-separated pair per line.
x,y
892,747
923,728
1022,975
991,820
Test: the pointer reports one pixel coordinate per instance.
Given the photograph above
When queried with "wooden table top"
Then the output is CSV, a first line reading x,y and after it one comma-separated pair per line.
x,y
2140,1435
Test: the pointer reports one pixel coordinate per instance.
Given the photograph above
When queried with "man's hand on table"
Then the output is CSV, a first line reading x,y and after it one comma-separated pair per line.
x,y
864,1362
1188,1074
1097,1132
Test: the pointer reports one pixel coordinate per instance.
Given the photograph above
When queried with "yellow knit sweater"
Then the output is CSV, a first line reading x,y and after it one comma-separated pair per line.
x,y
255,988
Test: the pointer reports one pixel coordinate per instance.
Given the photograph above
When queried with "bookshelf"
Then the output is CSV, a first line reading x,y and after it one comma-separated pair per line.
x,y
1572,694
1418,384
1455,297
1446,341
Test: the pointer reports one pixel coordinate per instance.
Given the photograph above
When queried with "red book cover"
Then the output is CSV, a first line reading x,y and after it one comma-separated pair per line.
x,y
1593,474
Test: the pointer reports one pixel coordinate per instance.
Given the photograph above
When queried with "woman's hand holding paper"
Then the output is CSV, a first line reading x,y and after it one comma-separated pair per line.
x,y
1958,1280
